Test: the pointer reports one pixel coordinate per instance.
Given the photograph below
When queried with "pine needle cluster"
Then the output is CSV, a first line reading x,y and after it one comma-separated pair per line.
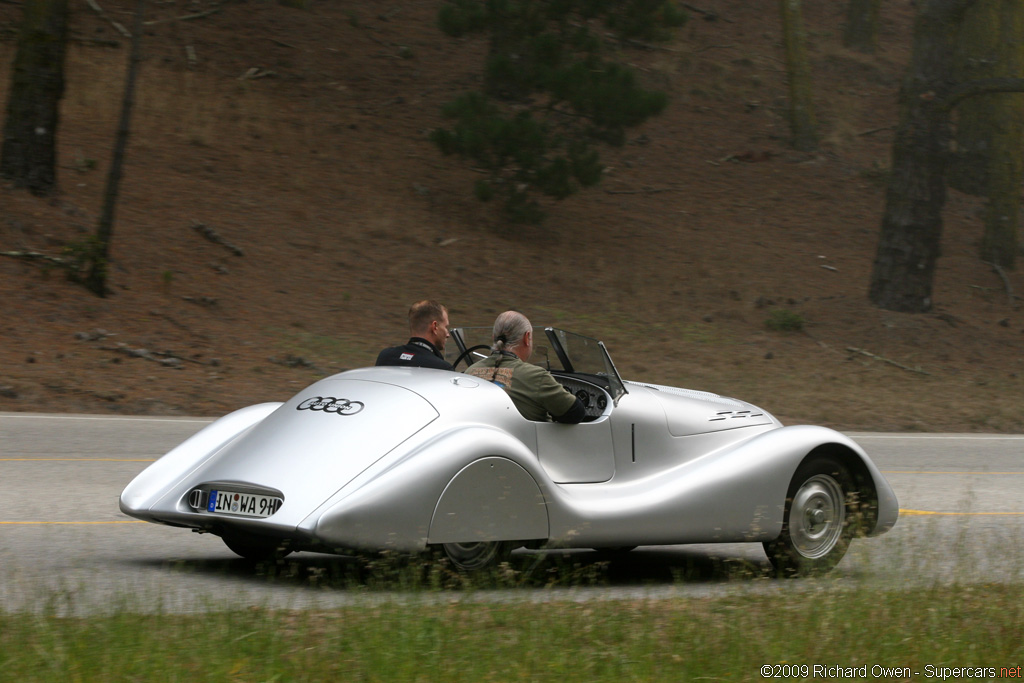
x,y
551,93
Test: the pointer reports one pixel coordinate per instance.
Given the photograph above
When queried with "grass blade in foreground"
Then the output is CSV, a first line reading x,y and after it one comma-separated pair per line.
x,y
730,638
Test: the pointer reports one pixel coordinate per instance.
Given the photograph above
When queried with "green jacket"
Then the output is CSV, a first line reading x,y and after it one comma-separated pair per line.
x,y
532,388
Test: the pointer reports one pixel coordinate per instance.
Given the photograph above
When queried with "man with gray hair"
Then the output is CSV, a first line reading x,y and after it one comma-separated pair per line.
x,y
535,392
428,325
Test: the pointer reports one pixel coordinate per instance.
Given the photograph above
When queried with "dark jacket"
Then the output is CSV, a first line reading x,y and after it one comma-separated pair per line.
x,y
418,353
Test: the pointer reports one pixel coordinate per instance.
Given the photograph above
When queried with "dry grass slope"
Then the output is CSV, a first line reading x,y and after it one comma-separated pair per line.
x,y
299,135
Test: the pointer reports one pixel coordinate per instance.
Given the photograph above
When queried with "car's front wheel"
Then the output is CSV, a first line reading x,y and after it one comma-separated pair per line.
x,y
817,525
473,557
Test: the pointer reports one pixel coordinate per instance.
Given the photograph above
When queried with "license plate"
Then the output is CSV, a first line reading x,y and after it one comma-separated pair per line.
x,y
246,504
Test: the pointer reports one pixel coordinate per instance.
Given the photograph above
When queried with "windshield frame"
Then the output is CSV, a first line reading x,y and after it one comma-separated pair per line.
x,y
555,350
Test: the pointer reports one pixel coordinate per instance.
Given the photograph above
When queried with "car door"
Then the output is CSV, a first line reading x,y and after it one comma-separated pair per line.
x,y
577,454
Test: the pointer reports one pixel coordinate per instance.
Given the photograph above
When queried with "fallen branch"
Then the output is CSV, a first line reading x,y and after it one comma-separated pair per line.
x,y
168,361
171,357
648,46
715,47
187,17
708,14
212,235
36,256
862,352
983,86
95,42
651,190
875,130
290,361
207,301
99,10
255,73
1006,281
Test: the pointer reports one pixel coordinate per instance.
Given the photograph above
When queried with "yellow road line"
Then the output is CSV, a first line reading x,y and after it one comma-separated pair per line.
x,y
77,460
913,513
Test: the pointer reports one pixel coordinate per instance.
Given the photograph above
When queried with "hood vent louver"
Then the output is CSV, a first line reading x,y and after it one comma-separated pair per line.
x,y
733,415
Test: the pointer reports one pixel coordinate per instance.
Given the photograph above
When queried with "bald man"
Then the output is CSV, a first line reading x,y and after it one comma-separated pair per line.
x,y
535,392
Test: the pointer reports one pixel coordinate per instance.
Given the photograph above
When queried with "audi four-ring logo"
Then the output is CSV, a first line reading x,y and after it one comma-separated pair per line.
x,y
329,404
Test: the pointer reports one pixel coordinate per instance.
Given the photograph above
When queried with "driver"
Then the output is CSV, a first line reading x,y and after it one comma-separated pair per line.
x,y
533,390
428,325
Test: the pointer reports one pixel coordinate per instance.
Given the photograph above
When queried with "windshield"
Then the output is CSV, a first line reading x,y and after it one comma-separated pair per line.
x,y
553,349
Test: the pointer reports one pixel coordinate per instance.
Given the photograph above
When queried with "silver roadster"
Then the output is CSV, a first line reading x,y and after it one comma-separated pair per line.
x,y
411,458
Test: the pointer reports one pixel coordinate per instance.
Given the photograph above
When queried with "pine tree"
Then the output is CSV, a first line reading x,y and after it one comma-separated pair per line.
x,y
861,30
550,94
802,120
29,155
909,242
989,156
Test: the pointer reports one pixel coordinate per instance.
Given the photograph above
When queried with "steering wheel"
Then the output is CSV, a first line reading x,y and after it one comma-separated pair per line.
x,y
464,356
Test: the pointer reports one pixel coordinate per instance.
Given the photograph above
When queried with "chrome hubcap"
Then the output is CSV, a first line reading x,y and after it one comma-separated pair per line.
x,y
817,516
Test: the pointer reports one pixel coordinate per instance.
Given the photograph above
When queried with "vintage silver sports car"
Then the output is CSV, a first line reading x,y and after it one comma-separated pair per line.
x,y
411,458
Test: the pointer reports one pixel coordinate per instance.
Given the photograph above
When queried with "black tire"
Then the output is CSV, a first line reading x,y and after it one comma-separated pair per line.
x,y
475,557
616,549
256,549
818,522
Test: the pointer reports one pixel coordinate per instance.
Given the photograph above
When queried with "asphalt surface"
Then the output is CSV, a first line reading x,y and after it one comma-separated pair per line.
x,y
65,546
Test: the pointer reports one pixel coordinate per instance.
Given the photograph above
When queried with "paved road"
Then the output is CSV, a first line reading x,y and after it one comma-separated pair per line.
x,y
64,544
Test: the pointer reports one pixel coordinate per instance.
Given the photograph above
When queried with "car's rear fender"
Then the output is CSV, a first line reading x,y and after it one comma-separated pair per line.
x,y
490,499
401,503
170,470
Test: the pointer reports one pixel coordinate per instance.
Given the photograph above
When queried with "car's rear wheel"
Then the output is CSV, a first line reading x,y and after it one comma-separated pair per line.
x,y
817,525
255,549
473,557
616,549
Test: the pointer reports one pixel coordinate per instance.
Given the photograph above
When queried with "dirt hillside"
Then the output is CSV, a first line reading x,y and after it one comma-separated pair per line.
x,y
298,135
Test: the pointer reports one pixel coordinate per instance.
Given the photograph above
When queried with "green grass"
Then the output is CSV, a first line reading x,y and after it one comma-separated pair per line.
x,y
784,320
435,636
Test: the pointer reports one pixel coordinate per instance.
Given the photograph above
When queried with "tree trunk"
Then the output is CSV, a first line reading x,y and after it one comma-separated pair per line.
x,y
1006,160
861,32
96,278
975,58
987,160
29,154
1002,214
802,123
908,247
